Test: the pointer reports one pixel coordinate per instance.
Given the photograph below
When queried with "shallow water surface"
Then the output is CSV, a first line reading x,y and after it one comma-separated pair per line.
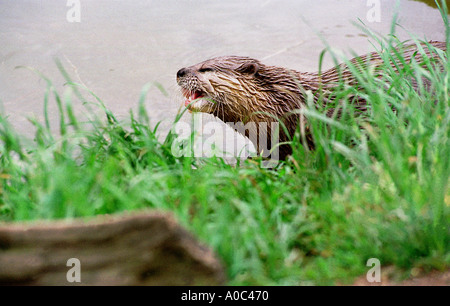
x,y
118,46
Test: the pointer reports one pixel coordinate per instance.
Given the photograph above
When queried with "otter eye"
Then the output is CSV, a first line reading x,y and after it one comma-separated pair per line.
x,y
201,70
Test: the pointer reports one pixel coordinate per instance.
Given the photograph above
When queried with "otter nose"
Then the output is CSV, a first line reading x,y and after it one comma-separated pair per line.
x,y
182,72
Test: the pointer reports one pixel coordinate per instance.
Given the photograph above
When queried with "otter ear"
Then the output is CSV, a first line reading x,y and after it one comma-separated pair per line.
x,y
249,68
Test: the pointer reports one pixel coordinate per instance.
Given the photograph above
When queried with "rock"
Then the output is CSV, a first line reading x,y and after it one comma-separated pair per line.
x,y
146,248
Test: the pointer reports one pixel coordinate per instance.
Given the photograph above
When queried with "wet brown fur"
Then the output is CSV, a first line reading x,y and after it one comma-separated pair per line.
x,y
245,90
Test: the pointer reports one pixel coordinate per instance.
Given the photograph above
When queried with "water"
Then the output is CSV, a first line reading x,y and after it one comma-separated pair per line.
x,y
121,45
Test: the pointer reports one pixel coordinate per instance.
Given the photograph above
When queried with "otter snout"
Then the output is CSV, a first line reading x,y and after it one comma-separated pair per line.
x,y
182,72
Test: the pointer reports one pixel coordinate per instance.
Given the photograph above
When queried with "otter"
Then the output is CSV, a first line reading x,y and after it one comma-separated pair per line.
x,y
238,89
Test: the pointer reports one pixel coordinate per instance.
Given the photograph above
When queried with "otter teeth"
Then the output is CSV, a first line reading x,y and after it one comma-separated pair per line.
x,y
192,97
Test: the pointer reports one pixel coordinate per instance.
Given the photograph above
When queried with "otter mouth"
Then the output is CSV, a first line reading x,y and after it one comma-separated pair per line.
x,y
196,100
192,96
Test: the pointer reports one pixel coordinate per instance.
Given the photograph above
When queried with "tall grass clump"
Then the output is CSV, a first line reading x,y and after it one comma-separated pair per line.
x,y
384,176
376,186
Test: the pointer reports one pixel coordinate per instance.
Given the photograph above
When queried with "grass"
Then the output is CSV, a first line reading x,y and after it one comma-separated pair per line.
x,y
375,187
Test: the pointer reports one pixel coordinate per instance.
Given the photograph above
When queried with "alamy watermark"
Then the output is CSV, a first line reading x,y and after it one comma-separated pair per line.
x,y
374,13
74,13
374,273
74,273
212,139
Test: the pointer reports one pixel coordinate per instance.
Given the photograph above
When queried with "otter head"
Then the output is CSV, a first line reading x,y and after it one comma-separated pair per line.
x,y
222,86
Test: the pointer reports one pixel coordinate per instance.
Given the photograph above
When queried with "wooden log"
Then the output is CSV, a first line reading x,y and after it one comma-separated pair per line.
x,y
146,248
